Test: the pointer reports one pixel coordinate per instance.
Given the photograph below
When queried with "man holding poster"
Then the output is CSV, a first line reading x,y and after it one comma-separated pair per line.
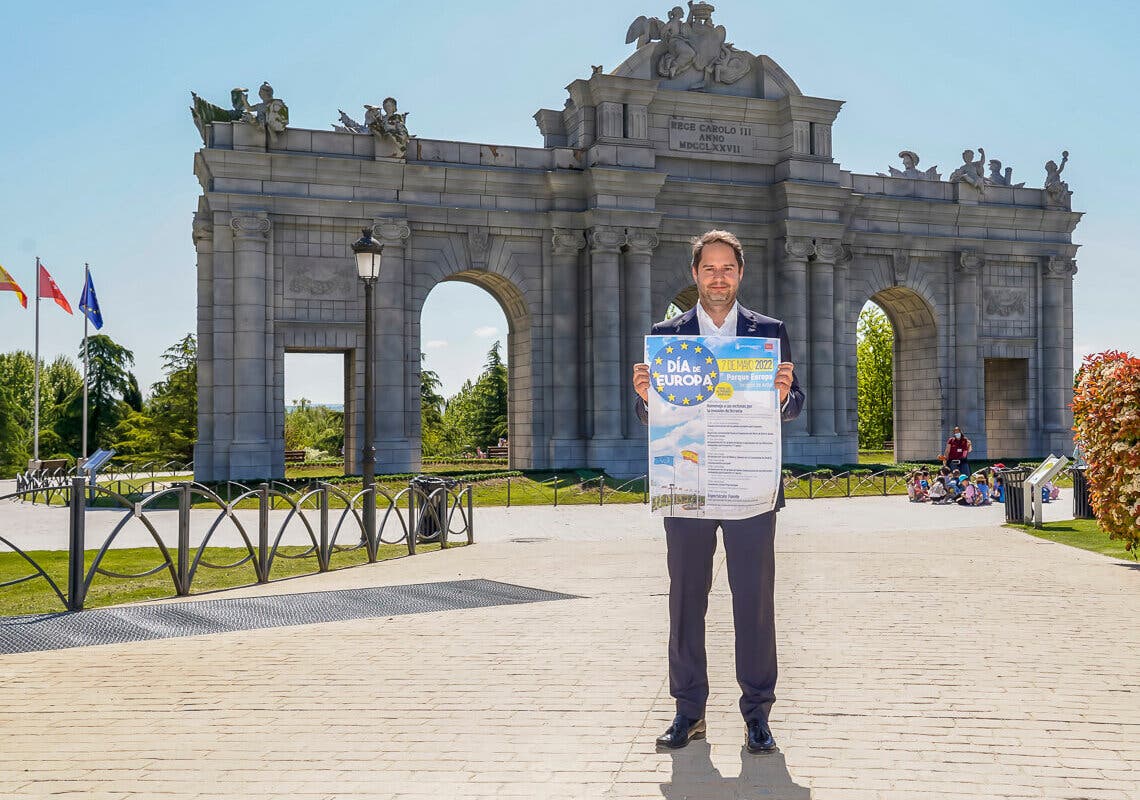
x,y
717,268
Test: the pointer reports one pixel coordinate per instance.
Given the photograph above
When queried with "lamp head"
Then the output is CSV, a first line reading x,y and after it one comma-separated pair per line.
x,y
368,252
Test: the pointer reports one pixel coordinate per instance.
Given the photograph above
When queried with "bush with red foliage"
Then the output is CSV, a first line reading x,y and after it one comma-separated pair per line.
x,y
1106,421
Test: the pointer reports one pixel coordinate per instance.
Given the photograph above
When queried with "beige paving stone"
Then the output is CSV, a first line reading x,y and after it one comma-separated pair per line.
x,y
922,663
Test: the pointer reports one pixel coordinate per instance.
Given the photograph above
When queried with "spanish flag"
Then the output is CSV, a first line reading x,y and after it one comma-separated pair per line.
x,y
7,284
690,455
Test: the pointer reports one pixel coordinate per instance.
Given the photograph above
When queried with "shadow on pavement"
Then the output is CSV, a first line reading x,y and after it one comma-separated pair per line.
x,y
761,776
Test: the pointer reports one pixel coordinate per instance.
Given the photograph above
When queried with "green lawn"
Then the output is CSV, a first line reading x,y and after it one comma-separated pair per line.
x,y
876,456
36,596
1082,533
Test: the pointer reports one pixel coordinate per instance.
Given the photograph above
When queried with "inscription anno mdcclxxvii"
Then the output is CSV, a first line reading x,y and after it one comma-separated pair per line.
x,y
710,136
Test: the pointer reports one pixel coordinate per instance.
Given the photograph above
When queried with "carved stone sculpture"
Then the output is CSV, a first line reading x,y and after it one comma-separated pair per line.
x,y
385,122
971,172
910,169
205,112
997,178
1056,189
692,44
271,114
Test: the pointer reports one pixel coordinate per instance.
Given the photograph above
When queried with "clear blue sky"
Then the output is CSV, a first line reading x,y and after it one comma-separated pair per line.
x,y
96,145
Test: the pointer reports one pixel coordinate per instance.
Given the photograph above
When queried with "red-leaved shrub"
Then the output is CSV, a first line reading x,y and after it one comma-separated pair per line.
x,y
1106,421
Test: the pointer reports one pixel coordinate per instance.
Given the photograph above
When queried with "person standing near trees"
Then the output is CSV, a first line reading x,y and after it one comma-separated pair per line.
x,y
957,452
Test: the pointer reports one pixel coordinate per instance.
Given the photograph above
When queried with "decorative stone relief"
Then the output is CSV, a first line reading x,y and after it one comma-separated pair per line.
x,y
203,230
910,169
318,279
900,266
270,115
692,44
392,232
1007,303
386,122
970,263
479,245
972,172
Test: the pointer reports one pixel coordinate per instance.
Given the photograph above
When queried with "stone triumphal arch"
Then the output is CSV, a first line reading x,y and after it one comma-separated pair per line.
x,y
583,241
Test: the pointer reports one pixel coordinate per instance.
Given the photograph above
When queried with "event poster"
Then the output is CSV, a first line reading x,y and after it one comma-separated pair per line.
x,y
714,426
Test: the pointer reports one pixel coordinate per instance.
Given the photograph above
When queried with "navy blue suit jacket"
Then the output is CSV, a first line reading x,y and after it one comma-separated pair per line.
x,y
748,323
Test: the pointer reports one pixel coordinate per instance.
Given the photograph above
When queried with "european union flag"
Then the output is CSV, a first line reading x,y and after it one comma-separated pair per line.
x,y
89,303
667,460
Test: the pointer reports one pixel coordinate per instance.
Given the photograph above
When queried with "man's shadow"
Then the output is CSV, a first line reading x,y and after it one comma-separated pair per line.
x,y
761,776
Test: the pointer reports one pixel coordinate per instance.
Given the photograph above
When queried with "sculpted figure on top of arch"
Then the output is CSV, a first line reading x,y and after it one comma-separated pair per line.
x,y
910,169
972,172
385,121
1055,188
694,43
270,114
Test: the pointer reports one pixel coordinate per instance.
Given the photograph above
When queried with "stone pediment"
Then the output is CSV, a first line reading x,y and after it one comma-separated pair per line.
x,y
693,54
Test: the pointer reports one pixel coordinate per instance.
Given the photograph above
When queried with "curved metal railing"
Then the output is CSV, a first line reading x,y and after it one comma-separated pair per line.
x,y
327,521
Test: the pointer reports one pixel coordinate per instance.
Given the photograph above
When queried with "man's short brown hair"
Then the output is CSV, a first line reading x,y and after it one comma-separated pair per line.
x,y
717,237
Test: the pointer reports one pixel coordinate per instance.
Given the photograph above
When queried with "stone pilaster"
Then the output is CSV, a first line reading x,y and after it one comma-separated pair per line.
x,y
567,443
394,391
250,452
843,344
203,233
792,305
638,311
968,366
1056,382
821,275
605,338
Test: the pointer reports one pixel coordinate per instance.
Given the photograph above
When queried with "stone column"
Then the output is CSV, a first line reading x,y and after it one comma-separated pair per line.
x,y
393,447
605,336
968,367
566,350
791,307
1056,384
821,274
638,313
204,447
250,451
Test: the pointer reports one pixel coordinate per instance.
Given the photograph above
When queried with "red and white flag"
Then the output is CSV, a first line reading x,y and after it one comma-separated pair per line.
x,y
50,289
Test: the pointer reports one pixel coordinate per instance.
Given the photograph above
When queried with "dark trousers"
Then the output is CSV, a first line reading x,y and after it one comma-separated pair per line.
x,y
750,551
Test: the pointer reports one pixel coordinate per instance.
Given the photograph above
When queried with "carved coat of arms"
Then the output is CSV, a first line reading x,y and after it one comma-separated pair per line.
x,y
692,43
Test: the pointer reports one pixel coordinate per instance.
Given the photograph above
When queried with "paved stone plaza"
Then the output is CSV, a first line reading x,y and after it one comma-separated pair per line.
x,y
925,653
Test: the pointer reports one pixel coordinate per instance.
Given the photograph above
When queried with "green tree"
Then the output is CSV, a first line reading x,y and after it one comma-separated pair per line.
x,y
431,411
491,400
166,426
312,427
13,441
874,352
109,383
17,375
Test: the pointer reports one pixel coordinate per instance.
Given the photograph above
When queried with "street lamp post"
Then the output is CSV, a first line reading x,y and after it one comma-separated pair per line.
x,y
368,252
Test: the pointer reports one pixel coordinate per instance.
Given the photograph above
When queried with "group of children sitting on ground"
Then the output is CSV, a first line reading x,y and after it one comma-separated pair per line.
x,y
980,489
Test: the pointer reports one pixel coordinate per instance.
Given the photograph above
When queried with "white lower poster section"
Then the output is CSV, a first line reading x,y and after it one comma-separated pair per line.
x,y
714,426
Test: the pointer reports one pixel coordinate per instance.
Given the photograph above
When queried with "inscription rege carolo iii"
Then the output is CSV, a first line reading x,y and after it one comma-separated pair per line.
x,y
710,136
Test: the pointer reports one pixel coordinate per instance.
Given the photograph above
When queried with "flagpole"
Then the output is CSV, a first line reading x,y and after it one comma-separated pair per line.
x,y
36,402
86,280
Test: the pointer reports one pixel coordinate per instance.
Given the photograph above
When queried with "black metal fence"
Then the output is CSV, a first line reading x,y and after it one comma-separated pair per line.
x,y
331,520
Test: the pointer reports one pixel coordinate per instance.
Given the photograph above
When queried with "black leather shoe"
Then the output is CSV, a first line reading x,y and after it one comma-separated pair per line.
x,y
681,732
759,738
